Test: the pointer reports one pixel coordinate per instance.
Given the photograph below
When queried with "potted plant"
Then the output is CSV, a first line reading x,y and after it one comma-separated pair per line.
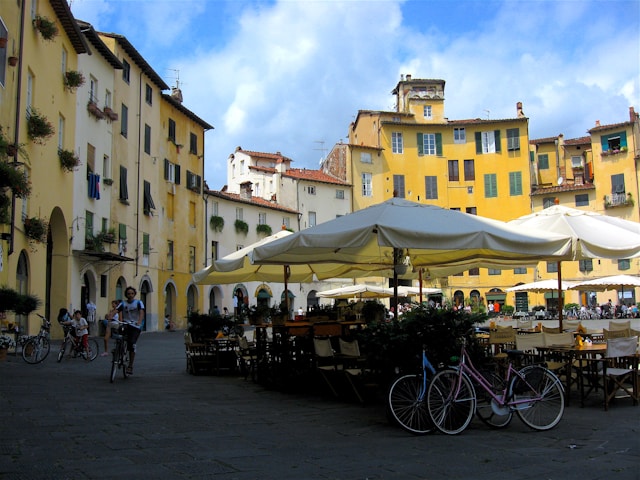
x,y
73,79
36,229
107,236
6,342
216,223
39,129
107,181
264,229
241,227
94,242
92,108
46,27
68,159
110,113
14,179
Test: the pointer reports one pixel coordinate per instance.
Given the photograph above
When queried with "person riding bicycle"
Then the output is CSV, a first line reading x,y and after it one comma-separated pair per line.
x,y
82,329
131,313
66,322
110,321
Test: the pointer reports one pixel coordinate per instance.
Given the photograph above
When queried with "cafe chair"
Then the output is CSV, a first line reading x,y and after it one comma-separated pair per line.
x,y
570,325
611,334
524,323
354,368
551,329
615,326
327,364
558,362
502,339
620,370
527,348
247,358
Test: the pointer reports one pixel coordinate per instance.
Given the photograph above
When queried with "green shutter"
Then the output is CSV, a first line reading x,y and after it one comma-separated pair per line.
x,y
532,156
166,169
145,243
439,144
420,144
122,231
478,143
496,134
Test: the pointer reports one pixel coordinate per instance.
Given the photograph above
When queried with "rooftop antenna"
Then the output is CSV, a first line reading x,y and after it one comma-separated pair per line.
x,y
488,113
177,77
321,149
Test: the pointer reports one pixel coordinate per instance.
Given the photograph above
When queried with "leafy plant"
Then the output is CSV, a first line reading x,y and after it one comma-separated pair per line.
x,y
68,159
39,129
36,229
11,177
264,229
73,79
94,242
216,223
241,227
22,304
46,27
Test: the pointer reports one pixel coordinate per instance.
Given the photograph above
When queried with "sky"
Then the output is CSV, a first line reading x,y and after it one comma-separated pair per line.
x,y
290,76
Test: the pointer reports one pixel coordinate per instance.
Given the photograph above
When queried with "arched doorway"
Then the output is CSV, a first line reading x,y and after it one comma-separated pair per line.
x,y
263,295
312,299
458,298
170,296
192,299
22,286
145,297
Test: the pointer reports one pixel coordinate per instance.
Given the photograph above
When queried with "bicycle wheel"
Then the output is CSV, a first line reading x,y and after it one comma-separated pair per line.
x,y
35,350
124,361
93,350
115,359
489,410
450,406
406,402
546,395
63,349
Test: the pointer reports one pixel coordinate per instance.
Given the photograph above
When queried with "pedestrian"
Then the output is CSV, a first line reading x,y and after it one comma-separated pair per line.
x,y
216,311
168,323
132,314
82,330
110,321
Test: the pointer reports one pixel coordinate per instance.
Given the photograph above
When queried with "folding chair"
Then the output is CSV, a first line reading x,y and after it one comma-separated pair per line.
x,y
326,364
571,325
247,358
527,347
353,367
559,364
619,325
620,369
610,334
551,329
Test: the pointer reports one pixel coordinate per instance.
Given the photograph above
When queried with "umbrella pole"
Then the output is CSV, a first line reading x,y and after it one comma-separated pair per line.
x,y
287,272
560,303
420,283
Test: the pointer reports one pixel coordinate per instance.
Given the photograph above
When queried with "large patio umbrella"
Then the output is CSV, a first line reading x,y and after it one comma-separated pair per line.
x,y
540,286
398,234
615,282
592,235
360,291
405,291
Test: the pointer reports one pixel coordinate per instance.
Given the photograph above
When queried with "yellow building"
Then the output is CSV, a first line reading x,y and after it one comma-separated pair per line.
x,y
179,243
40,117
478,166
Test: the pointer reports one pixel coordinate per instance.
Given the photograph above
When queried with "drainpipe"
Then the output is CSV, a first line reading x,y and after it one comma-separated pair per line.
x,y
138,174
16,128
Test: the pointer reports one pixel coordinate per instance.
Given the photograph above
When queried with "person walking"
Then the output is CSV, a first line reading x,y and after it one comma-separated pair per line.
x,y
131,312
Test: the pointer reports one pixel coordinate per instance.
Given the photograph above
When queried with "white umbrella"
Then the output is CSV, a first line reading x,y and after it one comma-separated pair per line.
x,y
539,286
405,291
360,291
615,282
592,235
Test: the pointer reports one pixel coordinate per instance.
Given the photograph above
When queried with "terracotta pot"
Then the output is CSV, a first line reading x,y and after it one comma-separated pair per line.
x,y
13,61
3,42
12,150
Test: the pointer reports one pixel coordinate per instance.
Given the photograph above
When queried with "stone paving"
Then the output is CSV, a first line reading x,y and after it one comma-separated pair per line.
x,y
66,421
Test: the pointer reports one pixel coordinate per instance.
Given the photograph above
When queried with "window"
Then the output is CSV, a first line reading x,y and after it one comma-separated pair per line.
x,y
107,98
469,170
214,250
548,202
513,139
104,285
193,143
124,192
459,135
124,120
146,249
312,219
91,159
311,189
286,223
126,71
454,173
585,265
340,194
367,188
490,185
148,94
192,214
239,213
576,161
426,111
122,239
262,218
520,271
397,145
60,132
431,187
488,142
172,130
582,200
429,144
147,139
88,224
543,162
148,204
194,181
365,157
398,186
624,264
169,254
93,90
494,271
614,141
617,183
192,259
474,272
515,183
171,172
471,210
552,267
169,207
106,167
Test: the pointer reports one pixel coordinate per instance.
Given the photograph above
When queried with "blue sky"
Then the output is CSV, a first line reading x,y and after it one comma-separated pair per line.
x,y
286,75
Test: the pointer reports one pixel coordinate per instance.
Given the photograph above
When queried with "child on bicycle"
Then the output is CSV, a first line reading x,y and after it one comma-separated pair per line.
x,y
110,321
82,329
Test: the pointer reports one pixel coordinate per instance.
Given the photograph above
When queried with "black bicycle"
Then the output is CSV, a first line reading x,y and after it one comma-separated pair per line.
x,y
73,345
35,349
120,353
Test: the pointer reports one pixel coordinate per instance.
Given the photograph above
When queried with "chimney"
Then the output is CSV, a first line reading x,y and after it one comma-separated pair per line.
x,y
519,110
633,116
408,77
597,123
246,190
176,94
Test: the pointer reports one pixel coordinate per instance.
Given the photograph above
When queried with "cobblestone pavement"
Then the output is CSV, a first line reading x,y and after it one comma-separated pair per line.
x,y
66,421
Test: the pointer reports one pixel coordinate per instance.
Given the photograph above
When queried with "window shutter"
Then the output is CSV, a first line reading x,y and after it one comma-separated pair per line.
x,y
604,143
439,144
623,139
176,174
124,192
122,231
496,135
532,156
478,143
420,144
166,169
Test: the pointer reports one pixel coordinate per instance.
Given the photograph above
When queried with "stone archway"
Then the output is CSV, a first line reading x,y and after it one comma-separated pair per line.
x,y
57,265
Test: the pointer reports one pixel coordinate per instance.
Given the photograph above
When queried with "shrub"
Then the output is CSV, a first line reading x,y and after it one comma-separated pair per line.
x,y
46,27
68,160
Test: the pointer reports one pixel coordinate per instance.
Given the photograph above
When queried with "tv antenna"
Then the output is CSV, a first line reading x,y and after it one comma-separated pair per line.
x,y
177,76
488,112
321,149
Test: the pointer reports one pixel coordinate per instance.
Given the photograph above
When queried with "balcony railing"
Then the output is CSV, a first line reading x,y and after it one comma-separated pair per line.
x,y
618,200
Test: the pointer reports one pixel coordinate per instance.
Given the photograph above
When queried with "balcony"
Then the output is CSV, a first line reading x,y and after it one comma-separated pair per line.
x,y
614,151
618,200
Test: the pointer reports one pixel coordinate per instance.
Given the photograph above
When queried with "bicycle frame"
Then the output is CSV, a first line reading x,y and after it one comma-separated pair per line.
x,y
426,365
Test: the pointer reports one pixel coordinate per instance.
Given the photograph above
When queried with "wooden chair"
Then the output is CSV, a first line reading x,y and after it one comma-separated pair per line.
x,y
551,329
326,362
247,358
524,323
571,325
620,370
527,347
200,359
609,334
615,326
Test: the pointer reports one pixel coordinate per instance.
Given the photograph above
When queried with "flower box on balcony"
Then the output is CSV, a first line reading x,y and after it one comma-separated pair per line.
x,y
39,129
93,109
68,160
36,229
110,113
46,27
73,79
